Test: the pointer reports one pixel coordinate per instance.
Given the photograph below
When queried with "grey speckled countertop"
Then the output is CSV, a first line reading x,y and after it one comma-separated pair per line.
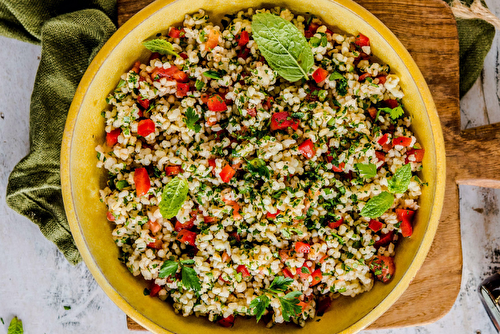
x,y
36,282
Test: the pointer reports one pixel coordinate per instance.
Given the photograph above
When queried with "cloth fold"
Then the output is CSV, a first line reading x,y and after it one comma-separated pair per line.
x,y
71,32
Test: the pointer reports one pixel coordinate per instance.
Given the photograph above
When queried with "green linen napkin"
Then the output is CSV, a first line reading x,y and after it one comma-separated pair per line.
x,y
71,32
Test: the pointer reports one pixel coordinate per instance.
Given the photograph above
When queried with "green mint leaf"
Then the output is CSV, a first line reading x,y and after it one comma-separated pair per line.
x,y
258,166
367,170
401,180
335,76
161,46
168,268
305,270
259,306
188,261
16,326
281,283
121,184
67,308
283,46
190,279
377,205
174,195
290,307
199,84
191,119
394,113
212,74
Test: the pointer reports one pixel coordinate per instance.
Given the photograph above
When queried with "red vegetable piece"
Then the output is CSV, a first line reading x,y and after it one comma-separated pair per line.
x,y
110,216
311,30
390,103
143,102
227,173
213,40
406,228
383,267
323,305
272,215
418,154
145,127
317,276
339,168
287,273
209,219
373,112
180,76
187,236
173,170
227,322
243,38
375,225
304,271
307,149
185,226
268,103
155,289
142,182
182,89
154,226
363,76
176,33
243,270
402,141
282,120
160,72
384,139
336,224
302,247
380,155
382,79
154,55
216,103
252,112
384,240
157,244
112,137
362,40
319,75
405,216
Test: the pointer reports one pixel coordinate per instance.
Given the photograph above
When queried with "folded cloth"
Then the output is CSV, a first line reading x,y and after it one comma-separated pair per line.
x,y
71,32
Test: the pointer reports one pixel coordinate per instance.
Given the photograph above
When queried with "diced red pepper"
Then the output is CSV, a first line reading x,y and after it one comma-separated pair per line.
x,y
383,267
384,240
373,112
380,155
213,40
418,154
155,289
402,141
142,182
160,72
145,127
302,247
336,224
307,149
112,137
243,270
270,215
339,168
252,112
216,103
282,120
363,76
243,38
375,225
182,89
187,236
382,79
110,216
323,305
362,40
227,173
180,76
390,103
173,170
319,75
157,244
176,33
405,216
227,322
317,276
143,102
384,139
287,273
184,226
154,226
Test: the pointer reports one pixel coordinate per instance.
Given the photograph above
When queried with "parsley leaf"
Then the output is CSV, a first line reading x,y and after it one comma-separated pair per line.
x,y
335,76
259,306
174,195
280,283
15,326
305,270
258,166
199,84
395,113
161,46
401,180
67,308
342,87
367,170
377,205
168,268
191,119
212,74
289,305
190,279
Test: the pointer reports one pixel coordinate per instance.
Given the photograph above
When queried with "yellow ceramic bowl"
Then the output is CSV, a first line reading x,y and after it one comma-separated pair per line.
x,y
81,180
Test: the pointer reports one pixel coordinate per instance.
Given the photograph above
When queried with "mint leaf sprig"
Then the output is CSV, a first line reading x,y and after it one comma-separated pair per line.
x,y
173,196
367,170
289,302
161,46
189,278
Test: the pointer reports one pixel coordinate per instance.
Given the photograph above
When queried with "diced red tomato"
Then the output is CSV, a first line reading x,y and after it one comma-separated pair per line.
x,y
180,76
323,305
303,306
209,219
384,139
311,30
339,168
236,236
252,112
317,276
243,270
417,153
373,112
268,103
270,215
213,39
319,75
216,103
336,224
155,289
173,170
154,226
284,255
406,228
282,120
184,226
380,155
375,225
160,72
211,163
227,173
143,102
142,182
112,137
182,89
307,149
145,127
137,67
154,55
187,236
243,38
363,76
156,245
183,55
384,240
225,257
382,79
287,273
390,103
302,247
362,40
176,33
405,216
110,216
383,267
227,322
402,141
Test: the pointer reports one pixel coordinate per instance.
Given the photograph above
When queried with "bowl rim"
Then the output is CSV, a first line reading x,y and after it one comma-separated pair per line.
x,y
423,92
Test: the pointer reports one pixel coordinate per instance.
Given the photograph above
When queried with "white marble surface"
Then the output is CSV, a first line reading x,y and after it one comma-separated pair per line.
x,y
36,282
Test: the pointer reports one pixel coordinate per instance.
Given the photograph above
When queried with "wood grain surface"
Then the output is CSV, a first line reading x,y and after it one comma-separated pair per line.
x,y
427,29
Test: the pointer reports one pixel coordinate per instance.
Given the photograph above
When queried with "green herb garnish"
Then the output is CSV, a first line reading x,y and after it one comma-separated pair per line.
x,y
161,46
377,205
367,170
16,326
191,120
394,113
189,278
174,195
212,74
401,180
258,167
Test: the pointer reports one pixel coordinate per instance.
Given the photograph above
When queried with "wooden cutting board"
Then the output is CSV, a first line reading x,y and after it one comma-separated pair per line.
x,y
428,30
